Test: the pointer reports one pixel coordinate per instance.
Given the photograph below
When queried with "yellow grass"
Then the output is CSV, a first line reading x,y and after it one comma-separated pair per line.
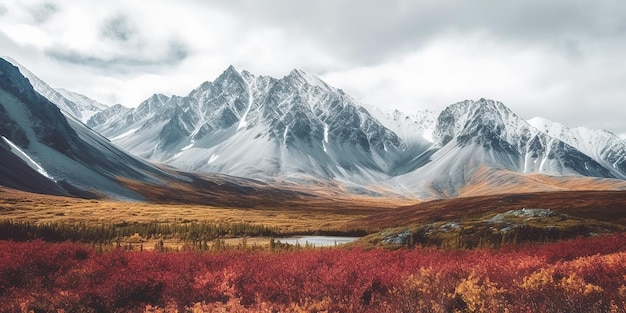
x,y
22,206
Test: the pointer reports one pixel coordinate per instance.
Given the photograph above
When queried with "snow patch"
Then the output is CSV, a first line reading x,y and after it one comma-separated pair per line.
x,y
26,158
242,122
325,133
213,158
285,135
325,137
428,134
126,134
187,146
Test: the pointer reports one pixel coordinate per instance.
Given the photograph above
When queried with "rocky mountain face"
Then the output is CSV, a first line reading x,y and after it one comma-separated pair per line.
x,y
43,151
604,147
512,141
257,126
474,137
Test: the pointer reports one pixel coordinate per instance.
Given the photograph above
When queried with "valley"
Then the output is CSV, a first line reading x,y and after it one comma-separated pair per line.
x,y
298,156
312,156
466,222
311,215
181,203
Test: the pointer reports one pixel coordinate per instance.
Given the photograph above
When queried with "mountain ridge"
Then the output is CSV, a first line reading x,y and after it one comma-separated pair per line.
x,y
76,105
294,116
303,129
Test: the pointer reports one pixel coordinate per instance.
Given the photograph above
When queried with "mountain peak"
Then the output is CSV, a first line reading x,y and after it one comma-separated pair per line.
x,y
230,71
159,97
229,76
298,73
305,78
246,74
471,118
152,104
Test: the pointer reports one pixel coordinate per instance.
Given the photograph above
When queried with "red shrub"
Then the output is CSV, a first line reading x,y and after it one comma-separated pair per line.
x,y
578,275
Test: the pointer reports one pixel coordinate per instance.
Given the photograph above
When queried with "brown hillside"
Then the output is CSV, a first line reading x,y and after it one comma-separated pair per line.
x,y
607,206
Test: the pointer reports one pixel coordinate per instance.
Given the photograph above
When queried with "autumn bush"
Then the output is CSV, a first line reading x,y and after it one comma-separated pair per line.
x,y
581,275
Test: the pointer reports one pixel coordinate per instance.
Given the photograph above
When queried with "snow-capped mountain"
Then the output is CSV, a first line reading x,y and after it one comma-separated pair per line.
x,y
76,105
471,137
42,150
298,127
496,128
603,146
512,141
258,126
295,129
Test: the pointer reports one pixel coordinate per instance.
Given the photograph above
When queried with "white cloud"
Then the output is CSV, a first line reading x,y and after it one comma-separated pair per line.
x,y
449,70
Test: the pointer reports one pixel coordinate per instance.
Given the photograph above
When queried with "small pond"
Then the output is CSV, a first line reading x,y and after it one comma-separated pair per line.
x,y
318,241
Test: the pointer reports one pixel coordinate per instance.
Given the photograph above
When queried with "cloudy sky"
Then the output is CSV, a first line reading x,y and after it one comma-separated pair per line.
x,y
561,59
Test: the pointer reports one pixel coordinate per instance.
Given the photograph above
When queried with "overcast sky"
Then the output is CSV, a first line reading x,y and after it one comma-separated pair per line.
x,y
560,59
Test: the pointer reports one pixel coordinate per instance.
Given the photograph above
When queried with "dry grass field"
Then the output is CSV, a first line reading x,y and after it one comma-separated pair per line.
x,y
293,216
304,210
214,201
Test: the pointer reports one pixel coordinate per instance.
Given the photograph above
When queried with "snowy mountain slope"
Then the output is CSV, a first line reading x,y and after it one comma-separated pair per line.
x,y
58,154
418,127
17,173
257,126
114,115
292,130
496,128
604,147
473,135
74,104
87,106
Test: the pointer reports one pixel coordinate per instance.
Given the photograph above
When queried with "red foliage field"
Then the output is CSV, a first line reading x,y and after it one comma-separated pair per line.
x,y
581,275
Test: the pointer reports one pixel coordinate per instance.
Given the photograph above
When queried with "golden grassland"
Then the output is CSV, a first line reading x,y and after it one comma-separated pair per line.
x,y
286,216
308,212
289,212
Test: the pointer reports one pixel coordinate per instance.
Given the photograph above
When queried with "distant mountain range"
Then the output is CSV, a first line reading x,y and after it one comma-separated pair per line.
x,y
298,129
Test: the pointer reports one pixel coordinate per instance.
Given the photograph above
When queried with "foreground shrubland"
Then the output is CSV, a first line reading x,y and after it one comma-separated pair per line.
x,y
581,275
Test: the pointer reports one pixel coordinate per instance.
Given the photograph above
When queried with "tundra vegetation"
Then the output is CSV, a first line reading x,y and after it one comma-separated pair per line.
x,y
579,275
557,252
